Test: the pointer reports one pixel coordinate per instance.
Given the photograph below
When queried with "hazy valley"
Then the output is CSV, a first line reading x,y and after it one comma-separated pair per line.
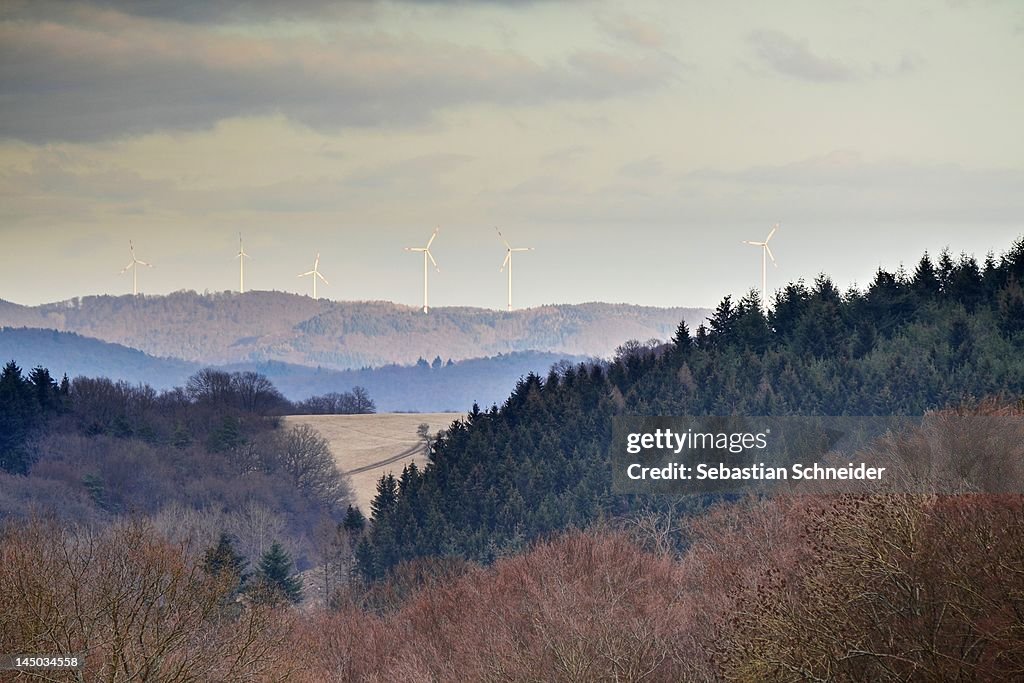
x,y
258,327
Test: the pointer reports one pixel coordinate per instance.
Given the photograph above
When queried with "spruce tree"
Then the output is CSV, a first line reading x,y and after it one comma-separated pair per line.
x,y
926,279
19,411
354,522
223,559
682,340
276,579
387,494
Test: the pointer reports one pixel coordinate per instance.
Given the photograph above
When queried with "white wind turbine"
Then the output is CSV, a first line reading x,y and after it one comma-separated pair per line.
x,y
133,266
241,265
426,270
508,263
315,273
766,253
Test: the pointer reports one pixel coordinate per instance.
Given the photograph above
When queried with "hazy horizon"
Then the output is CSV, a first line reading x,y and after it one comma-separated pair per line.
x,y
633,148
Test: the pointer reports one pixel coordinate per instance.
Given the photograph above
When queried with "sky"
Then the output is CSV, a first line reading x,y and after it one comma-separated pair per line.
x,y
633,145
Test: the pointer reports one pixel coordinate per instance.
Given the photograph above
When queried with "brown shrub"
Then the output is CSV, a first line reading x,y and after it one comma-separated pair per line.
x,y
135,605
586,607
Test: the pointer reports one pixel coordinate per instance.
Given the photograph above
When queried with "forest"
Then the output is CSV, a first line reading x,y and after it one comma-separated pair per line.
x,y
225,328
207,458
947,334
509,558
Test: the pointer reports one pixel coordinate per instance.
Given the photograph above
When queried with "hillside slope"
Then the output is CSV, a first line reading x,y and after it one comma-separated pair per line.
x,y
948,334
74,355
393,388
366,447
256,327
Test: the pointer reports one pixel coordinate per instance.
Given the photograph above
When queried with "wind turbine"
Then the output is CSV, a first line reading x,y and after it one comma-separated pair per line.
x,y
241,265
427,255
766,253
315,273
133,265
508,262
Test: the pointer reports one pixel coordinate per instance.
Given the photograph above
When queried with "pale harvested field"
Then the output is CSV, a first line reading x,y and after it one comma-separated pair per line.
x,y
367,447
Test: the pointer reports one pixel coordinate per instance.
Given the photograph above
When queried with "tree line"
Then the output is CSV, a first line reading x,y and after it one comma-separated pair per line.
x,y
211,456
949,333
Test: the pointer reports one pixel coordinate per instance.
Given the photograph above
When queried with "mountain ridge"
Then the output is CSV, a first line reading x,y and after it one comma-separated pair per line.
x,y
258,327
394,388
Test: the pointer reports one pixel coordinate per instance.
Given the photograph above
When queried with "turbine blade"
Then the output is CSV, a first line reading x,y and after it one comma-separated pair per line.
x,y
432,238
323,278
771,255
415,249
433,261
305,274
769,237
143,263
523,249
502,238
127,268
508,257
754,244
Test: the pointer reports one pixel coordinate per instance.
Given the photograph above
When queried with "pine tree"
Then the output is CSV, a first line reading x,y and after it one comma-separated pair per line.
x,y
945,270
366,561
222,559
926,280
722,322
354,522
682,339
19,411
702,336
387,494
276,579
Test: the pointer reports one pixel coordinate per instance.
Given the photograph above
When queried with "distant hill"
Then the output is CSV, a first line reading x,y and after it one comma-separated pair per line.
x,y
393,388
75,355
260,327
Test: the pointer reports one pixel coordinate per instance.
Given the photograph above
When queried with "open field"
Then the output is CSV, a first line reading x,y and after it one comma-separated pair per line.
x,y
366,447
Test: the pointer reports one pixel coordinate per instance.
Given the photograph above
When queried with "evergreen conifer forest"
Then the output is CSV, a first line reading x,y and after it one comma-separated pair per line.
x,y
183,534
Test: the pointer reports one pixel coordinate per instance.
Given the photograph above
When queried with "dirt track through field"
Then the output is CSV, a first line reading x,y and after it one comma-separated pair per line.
x,y
366,447
387,461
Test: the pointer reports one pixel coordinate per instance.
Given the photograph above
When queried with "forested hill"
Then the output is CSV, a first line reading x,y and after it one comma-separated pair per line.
x,y
422,387
949,332
219,329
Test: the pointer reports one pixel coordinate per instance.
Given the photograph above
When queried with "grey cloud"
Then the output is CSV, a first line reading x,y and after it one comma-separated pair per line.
x,y
411,173
839,187
222,11
56,189
642,168
563,155
633,30
119,75
793,58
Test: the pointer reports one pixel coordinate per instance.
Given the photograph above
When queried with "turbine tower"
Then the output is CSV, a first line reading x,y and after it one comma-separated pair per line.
x,y
766,253
426,270
241,265
315,273
133,265
508,262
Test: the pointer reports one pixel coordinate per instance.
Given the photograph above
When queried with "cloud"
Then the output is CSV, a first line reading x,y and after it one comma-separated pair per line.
x,y
223,11
643,168
839,187
634,31
106,75
793,58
